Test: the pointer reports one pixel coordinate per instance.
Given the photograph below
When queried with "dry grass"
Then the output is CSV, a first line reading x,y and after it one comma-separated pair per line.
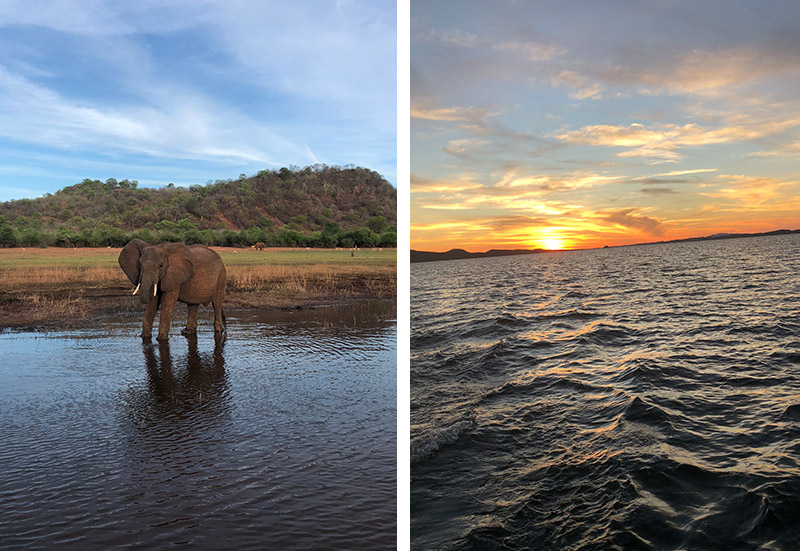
x,y
63,285
17,278
319,278
68,307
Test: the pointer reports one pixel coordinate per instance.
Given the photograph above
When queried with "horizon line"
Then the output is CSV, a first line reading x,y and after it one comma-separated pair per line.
x,y
713,236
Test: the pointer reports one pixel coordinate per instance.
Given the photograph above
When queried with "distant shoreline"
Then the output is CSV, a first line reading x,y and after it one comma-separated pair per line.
x,y
460,254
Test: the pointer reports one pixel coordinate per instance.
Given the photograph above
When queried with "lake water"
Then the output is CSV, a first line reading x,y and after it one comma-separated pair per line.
x,y
628,398
281,437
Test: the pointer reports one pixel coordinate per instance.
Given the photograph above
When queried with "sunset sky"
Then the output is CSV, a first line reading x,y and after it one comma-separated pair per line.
x,y
580,124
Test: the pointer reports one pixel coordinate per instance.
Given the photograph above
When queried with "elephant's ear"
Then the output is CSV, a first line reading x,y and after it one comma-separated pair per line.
x,y
180,268
129,259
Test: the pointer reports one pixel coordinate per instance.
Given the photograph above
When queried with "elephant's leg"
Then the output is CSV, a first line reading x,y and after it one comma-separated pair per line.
x,y
219,296
149,316
218,327
191,323
168,301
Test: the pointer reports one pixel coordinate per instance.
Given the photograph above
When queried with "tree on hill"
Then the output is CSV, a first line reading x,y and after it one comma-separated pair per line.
x,y
318,205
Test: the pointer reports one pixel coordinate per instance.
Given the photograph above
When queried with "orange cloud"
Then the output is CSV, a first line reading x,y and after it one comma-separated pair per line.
x,y
464,182
753,192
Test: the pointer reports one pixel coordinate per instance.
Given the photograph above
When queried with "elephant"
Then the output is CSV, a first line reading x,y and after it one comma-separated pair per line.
x,y
259,246
173,272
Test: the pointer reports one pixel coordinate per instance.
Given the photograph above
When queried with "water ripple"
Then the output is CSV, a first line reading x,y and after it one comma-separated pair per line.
x,y
281,436
633,398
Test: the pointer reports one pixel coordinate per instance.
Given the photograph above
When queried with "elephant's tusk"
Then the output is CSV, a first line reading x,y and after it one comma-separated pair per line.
x,y
137,288
155,286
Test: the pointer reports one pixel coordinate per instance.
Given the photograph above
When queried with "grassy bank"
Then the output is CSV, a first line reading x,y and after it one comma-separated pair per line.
x,y
57,287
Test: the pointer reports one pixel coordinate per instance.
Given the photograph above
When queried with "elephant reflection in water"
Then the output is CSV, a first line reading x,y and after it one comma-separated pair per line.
x,y
202,381
173,422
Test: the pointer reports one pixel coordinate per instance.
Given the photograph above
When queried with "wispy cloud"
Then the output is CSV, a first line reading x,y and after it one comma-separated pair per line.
x,y
684,172
791,149
457,38
666,140
754,192
530,50
189,129
520,182
707,71
452,37
465,148
452,114
583,87
463,182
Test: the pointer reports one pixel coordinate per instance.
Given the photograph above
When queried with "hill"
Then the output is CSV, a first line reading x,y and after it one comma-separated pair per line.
x,y
320,205
458,254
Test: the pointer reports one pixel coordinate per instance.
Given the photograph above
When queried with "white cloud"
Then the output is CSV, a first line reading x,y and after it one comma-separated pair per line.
x,y
188,127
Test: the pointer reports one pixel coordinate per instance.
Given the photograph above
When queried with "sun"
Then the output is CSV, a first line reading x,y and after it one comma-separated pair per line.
x,y
550,239
552,243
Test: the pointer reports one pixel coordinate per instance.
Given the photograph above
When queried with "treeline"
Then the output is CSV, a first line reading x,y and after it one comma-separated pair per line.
x,y
187,232
316,206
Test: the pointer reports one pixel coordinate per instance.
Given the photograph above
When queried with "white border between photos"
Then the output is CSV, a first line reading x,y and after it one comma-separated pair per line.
x,y
403,273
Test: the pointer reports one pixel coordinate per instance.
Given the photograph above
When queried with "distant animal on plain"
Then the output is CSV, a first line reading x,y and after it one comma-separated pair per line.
x,y
259,246
171,273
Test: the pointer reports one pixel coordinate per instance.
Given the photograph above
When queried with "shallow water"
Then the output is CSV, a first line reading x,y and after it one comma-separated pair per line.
x,y
633,398
281,437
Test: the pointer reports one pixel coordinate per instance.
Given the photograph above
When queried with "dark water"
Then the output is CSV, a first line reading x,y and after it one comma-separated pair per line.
x,y
282,437
633,398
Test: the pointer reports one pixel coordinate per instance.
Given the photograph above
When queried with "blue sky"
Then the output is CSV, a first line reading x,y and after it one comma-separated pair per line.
x,y
186,92
581,123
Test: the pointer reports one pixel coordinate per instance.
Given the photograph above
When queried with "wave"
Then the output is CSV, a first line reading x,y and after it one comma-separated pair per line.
x,y
791,413
428,444
641,411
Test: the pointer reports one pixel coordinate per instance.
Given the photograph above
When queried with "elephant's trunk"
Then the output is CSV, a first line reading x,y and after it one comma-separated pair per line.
x,y
146,285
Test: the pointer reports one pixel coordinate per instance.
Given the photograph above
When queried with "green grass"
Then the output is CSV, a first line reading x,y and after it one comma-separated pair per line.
x,y
91,258
57,257
300,257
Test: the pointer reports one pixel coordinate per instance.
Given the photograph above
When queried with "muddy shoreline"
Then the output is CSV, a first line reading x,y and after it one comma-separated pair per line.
x,y
47,309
